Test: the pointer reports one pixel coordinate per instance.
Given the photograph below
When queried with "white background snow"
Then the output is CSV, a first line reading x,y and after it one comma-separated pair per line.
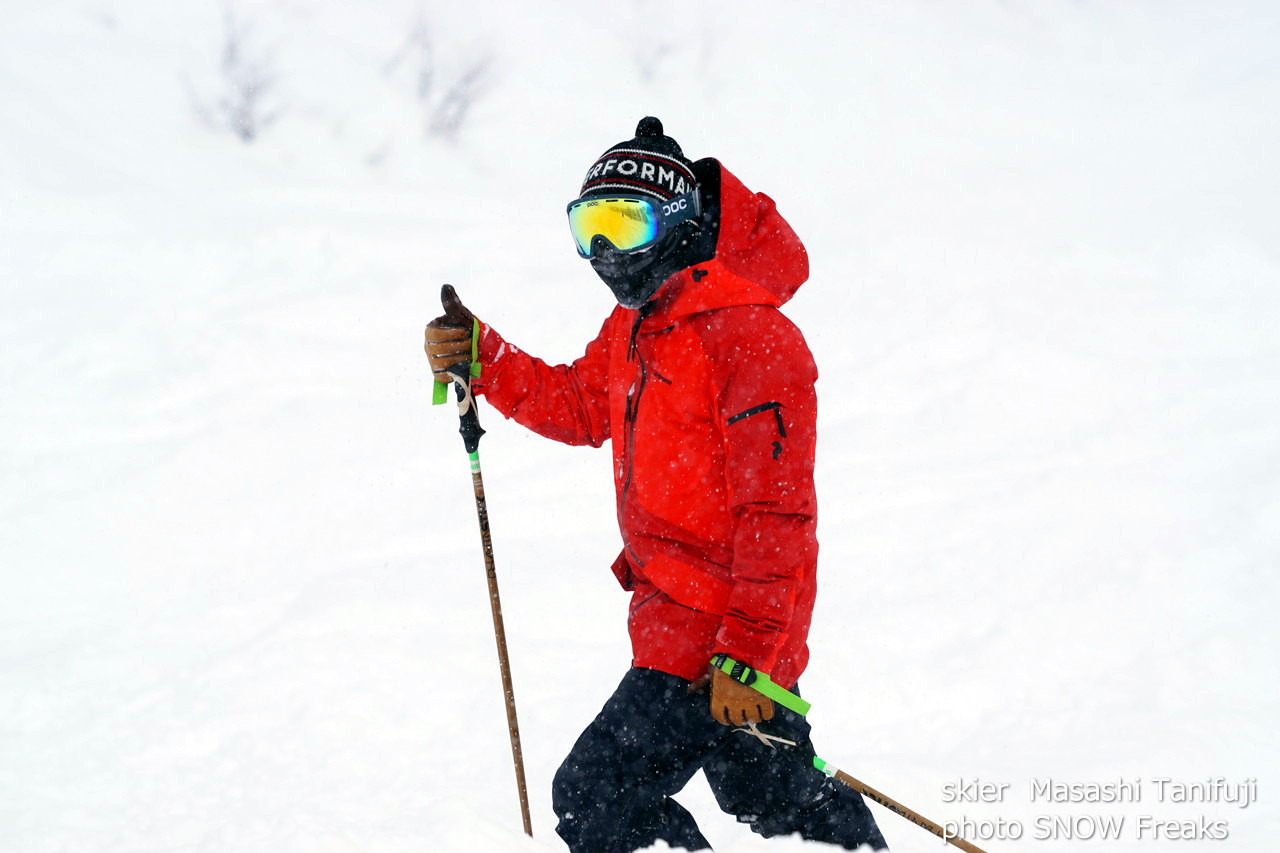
x,y
242,604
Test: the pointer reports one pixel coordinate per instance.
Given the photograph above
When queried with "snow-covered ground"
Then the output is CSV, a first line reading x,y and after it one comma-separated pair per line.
x,y
243,606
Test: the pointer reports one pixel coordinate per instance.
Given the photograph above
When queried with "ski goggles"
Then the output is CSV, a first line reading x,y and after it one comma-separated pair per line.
x,y
628,223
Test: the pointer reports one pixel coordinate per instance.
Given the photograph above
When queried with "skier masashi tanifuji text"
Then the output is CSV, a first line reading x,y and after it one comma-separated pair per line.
x,y
706,393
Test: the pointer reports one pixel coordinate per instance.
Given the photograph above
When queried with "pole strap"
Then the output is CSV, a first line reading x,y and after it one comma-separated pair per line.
x,y
440,394
761,682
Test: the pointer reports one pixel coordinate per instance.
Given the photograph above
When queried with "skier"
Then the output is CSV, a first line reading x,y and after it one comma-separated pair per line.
x,y
706,392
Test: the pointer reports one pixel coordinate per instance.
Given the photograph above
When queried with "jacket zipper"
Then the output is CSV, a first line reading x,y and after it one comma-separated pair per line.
x,y
629,418
772,406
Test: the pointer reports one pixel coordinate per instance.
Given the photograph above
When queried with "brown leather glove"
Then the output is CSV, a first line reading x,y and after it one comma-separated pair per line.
x,y
734,703
448,337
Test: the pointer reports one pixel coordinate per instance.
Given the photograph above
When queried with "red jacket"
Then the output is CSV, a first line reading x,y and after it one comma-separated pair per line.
x,y
709,402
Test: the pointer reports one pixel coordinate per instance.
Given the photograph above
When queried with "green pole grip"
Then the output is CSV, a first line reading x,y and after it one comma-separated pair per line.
x,y
440,393
765,685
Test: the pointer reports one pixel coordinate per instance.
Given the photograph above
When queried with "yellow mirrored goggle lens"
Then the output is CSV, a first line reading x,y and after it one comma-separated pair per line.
x,y
627,223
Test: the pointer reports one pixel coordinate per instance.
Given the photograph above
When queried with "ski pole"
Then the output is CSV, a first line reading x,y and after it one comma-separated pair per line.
x,y
470,429
784,697
894,806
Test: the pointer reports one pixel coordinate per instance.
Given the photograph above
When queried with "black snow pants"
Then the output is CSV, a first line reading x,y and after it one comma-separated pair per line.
x,y
613,792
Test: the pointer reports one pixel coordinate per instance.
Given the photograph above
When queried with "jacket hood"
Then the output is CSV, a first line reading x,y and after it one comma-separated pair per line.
x,y
748,253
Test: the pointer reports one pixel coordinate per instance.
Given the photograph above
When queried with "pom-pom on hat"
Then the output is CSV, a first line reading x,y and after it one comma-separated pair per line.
x,y
652,164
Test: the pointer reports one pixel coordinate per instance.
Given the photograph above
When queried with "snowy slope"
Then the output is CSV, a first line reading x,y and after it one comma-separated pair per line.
x,y
243,606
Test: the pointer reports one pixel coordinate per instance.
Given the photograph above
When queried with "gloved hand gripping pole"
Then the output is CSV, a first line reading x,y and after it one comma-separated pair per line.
x,y
761,682
470,429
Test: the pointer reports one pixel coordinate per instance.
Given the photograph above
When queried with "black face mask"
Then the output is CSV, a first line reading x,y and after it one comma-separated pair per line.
x,y
635,278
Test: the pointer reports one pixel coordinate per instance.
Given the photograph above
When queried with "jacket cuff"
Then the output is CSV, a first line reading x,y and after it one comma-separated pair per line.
x,y
748,644
491,350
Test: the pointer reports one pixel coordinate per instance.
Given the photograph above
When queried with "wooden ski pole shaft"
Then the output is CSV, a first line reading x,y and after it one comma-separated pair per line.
x,y
895,806
471,432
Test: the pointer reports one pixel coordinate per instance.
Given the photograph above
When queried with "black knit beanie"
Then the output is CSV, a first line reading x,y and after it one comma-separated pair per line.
x,y
651,164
